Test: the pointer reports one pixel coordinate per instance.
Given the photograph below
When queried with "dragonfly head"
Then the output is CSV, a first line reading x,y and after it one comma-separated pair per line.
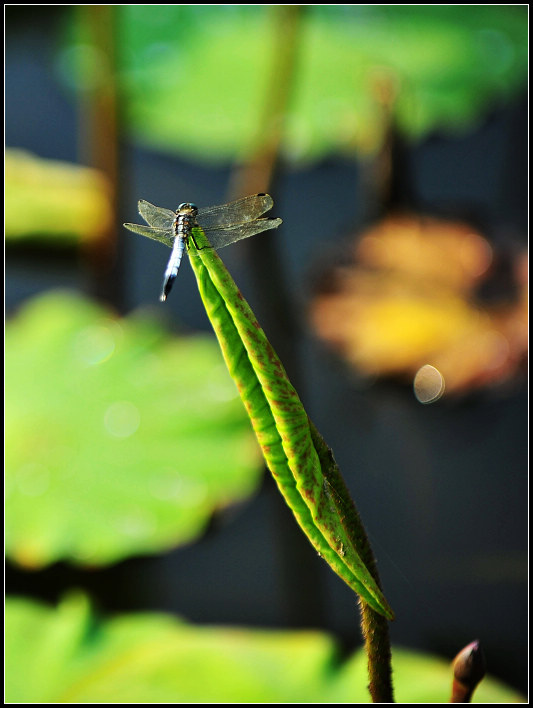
x,y
187,208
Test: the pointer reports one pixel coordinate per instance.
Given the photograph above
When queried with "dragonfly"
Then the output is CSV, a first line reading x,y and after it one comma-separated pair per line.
x,y
222,224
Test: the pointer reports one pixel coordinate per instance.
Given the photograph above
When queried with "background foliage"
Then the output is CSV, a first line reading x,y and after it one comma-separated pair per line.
x,y
446,66
75,656
99,466
89,395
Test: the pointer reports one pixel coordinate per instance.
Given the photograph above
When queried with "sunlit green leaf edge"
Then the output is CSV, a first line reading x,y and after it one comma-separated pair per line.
x,y
67,654
280,422
67,360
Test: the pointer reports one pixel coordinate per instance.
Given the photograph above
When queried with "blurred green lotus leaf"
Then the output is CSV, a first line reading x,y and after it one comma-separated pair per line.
x,y
120,439
58,200
67,655
196,79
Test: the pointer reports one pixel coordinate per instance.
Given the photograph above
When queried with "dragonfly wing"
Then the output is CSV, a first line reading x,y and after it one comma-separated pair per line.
x,y
156,216
237,212
162,235
220,237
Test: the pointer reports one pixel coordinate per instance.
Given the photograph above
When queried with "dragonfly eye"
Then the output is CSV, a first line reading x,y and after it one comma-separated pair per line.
x,y
187,206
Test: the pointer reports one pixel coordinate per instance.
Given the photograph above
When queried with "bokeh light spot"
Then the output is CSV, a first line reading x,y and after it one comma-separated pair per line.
x,y
428,384
122,419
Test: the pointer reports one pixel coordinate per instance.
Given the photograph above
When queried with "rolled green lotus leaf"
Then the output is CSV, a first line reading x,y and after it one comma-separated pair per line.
x,y
295,454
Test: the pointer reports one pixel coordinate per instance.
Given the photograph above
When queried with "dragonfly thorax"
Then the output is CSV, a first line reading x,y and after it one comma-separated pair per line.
x,y
185,219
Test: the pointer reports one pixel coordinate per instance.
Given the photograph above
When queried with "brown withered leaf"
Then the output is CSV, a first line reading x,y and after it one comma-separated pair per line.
x,y
408,301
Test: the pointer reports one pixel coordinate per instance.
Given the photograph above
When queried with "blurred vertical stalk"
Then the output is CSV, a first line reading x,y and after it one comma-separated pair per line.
x,y
99,144
257,173
386,180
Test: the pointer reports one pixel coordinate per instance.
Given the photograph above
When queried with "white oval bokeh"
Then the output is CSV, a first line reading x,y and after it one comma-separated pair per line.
x,y
428,384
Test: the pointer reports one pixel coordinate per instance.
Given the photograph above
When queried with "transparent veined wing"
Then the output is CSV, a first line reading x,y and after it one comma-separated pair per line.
x,y
162,235
223,236
237,212
156,216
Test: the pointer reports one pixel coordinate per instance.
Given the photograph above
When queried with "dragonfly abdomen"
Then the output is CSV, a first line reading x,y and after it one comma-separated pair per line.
x,y
183,223
173,266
